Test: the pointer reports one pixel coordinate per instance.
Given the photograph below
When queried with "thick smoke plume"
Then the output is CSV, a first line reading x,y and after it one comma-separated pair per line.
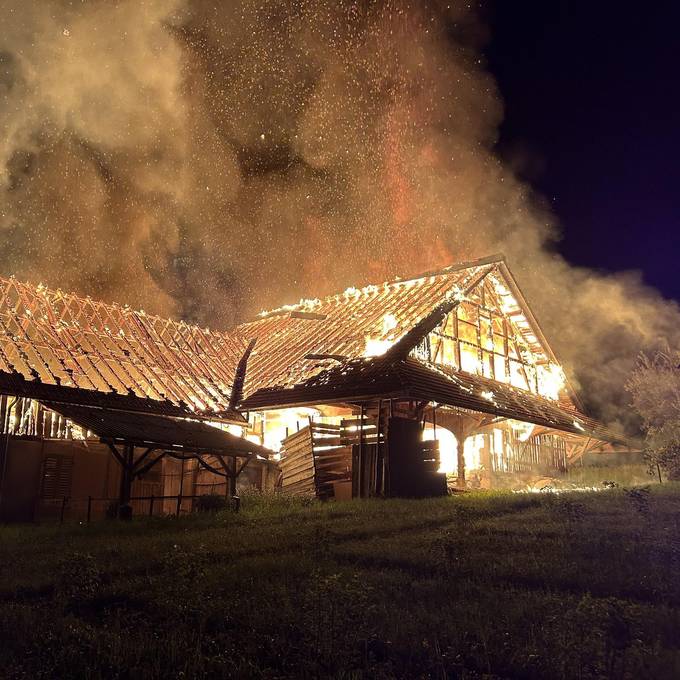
x,y
206,160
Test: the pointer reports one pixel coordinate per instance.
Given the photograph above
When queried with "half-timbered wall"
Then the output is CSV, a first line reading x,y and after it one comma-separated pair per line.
x,y
488,335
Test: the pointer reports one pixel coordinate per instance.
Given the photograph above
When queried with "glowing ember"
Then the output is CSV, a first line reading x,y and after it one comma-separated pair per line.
x,y
389,323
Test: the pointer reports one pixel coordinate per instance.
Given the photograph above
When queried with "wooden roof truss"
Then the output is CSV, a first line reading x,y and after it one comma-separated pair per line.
x,y
67,341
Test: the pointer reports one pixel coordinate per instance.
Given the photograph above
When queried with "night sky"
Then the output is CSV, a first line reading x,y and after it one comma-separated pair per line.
x,y
591,120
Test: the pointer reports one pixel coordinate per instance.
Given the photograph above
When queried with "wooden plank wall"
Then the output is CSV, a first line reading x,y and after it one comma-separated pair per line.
x,y
368,471
319,455
297,464
332,457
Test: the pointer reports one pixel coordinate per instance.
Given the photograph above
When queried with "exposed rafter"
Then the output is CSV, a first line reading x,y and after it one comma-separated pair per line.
x,y
70,346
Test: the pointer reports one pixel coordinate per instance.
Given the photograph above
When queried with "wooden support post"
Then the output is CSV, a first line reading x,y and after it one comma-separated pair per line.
x,y
386,454
3,413
360,482
460,432
126,477
227,483
232,478
181,488
19,420
461,464
379,457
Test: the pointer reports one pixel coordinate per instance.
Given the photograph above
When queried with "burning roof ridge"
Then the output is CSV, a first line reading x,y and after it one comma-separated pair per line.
x,y
46,291
309,304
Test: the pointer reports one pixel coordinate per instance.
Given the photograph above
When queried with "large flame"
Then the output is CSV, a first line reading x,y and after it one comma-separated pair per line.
x,y
377,345
551,381
277,425
448,449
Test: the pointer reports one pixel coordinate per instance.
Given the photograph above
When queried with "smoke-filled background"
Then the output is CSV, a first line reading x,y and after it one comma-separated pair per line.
x,y
206,160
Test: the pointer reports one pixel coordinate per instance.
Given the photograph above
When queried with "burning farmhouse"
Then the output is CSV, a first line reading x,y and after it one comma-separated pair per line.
x,y
405,388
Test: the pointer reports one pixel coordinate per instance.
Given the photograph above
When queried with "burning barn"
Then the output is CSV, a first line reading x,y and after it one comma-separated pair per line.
x,y
411,386
401,389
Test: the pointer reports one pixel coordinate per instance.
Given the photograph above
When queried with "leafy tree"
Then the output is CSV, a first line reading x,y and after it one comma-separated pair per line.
x,y
655,390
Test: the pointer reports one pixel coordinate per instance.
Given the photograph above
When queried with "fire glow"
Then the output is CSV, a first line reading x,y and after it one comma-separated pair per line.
x,y
377,346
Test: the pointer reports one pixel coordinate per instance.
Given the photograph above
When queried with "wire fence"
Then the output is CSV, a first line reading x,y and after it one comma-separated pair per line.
x,y
87,509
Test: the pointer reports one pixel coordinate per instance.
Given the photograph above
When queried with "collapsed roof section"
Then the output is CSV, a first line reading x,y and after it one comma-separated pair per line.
x,y
69,349
294,342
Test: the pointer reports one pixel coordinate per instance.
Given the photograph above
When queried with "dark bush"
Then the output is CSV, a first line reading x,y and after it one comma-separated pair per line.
x,y
211,502
111,511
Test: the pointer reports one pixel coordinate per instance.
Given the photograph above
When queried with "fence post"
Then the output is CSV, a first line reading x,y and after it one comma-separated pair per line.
x,y
63,510
179,503
151,506
89,508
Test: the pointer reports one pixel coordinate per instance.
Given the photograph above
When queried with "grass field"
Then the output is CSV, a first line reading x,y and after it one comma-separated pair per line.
x,y
474,586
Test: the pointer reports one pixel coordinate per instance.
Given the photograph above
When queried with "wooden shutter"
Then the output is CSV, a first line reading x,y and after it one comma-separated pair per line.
x,y
56,477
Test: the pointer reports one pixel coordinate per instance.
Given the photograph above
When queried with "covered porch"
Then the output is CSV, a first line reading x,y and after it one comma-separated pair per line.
x,y
412,428
138,442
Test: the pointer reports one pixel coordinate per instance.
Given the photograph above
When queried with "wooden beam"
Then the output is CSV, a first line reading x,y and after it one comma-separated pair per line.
x,y
124,508
145,468
240,376
115,453
242,467
138,462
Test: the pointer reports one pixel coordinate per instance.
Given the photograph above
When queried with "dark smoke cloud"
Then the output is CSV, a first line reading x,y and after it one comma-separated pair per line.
x,y
210,159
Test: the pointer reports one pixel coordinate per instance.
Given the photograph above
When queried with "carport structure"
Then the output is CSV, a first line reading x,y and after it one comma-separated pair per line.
x,y
138,441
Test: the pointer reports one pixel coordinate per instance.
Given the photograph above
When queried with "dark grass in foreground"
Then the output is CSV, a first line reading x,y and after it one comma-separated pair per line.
x,y
481,585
